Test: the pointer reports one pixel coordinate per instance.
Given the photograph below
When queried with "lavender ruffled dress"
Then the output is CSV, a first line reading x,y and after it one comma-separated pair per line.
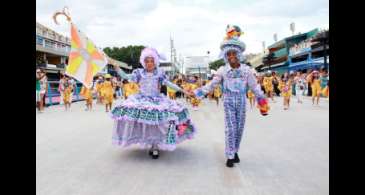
x,y
150,118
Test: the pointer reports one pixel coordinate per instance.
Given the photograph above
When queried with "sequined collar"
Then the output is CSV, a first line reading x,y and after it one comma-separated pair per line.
x,y
229,68
155,71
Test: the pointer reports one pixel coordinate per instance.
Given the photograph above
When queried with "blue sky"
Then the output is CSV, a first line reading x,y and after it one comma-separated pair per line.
x,y
196,26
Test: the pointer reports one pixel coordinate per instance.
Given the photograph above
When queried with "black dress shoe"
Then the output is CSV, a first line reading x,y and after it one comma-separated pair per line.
x,y
155,154
230,162
236,158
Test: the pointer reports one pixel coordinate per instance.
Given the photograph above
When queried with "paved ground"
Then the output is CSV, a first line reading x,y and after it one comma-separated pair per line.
x,y
286,152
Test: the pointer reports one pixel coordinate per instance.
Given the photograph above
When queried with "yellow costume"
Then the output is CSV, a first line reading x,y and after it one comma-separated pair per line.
x,y
67,94
185,86
217,93
192,87
316,87
130,89
286,90
87,94
268,84
107,92
325,91
98,88
250,94
171,92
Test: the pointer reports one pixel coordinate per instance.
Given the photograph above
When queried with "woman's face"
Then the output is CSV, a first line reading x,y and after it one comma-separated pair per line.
x,y
150,63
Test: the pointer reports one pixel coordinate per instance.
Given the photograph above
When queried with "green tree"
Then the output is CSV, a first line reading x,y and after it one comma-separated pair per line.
x,y
216,64
129,54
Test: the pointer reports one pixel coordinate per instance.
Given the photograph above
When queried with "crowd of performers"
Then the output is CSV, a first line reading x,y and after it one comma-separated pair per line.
x,y
106,89
314,83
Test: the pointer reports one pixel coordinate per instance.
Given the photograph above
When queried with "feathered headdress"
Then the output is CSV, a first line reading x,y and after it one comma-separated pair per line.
x,y
232,42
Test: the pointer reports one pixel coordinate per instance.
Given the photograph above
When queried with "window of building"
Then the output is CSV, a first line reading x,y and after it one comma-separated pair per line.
x,y
49,44
318,54
300,58
39,40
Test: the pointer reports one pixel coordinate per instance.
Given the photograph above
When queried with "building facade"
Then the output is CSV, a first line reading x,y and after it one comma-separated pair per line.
x,y
256,60
197,65
52,51
169,69
312,53
281,53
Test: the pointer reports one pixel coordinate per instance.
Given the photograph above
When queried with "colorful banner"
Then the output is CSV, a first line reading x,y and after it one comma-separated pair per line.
x,y
85,60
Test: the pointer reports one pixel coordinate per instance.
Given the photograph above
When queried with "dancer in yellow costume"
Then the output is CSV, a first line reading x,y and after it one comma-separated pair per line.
x,y
217,93
315,82
98,86
88,95
251,97
67,94
286,91
185,85
326,91
324,78
192,85
130,88
269,88
171,92
108,91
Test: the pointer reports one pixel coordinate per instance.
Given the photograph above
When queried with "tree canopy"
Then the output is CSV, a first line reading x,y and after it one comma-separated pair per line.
x,y
216,64
129,54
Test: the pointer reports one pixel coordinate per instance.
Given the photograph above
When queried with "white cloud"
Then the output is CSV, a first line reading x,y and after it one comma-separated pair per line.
x,y
196,26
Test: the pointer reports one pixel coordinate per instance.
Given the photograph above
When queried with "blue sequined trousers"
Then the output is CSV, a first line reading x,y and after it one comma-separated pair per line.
x,y
235,115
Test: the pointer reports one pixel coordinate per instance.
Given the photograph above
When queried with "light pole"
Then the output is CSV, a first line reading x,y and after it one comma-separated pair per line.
x,y
181,63
208,69
275,37
173,61
292,27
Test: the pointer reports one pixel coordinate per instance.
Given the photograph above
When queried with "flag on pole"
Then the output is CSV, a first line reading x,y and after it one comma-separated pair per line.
x,y
85,60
